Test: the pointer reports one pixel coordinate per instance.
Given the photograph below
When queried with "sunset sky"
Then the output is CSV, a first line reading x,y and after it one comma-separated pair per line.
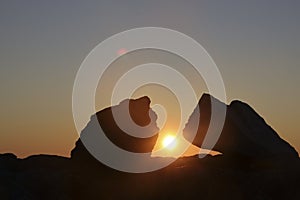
x,y
255,44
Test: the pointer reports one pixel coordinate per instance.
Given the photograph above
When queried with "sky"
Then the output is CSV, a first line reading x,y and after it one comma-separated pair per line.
x,y
255,45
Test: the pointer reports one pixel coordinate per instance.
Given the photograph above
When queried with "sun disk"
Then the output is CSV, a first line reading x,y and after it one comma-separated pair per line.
x,y
169,142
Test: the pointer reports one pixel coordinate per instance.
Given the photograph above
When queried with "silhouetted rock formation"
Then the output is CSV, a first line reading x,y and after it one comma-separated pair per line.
x,y
236,174
141,114
244,133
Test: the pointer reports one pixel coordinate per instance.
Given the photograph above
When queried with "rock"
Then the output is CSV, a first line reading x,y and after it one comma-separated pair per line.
x,y
141,114
8,160
245,133
212,177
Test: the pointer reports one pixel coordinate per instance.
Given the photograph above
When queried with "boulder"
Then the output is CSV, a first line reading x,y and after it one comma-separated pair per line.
x,y
245,133
143,124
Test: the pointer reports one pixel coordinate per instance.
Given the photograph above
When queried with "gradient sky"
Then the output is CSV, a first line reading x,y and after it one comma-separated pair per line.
x,y
255,44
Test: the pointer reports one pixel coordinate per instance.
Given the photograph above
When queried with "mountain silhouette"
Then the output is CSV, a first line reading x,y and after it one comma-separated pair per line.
x,y
255,162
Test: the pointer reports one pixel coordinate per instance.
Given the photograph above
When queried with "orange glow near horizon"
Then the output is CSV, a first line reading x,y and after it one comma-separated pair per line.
x,y
170,144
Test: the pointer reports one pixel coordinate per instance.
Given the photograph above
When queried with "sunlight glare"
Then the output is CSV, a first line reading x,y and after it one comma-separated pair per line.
x,y
169,142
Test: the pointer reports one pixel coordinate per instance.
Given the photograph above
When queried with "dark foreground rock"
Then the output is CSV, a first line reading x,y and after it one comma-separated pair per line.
x,y
245,133
52,177
142,116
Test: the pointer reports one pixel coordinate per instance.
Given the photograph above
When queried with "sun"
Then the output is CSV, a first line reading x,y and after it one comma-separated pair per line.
x,y
169,142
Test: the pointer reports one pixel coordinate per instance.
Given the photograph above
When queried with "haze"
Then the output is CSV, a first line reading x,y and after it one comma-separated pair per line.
x,y
256,46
